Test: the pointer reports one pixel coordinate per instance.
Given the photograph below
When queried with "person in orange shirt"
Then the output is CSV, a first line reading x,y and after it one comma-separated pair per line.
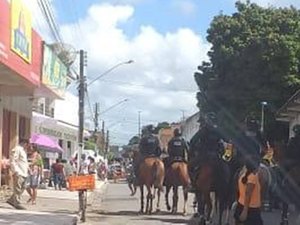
x,y
249,201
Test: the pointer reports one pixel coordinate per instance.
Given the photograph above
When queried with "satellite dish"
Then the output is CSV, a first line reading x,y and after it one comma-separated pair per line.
x,y
65,52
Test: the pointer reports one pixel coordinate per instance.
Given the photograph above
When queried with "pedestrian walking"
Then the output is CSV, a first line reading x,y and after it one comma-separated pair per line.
x,y
19,168
35,173
248,210
58,174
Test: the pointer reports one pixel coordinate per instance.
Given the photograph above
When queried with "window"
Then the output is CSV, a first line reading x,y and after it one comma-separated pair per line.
x,y
41,108
52,112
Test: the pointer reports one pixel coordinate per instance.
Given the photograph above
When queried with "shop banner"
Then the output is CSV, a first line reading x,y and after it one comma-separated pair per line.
x,y
54,72
21,31
17,66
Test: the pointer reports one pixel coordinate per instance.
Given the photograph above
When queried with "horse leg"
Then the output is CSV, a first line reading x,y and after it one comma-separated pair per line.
x,y
221,210
158,201
167,197
227,216
207,201
284,214
175,199
185,198
200,208
142,198
149,200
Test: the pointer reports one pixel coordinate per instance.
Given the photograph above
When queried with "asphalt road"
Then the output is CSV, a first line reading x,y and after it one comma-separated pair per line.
x,y
114,206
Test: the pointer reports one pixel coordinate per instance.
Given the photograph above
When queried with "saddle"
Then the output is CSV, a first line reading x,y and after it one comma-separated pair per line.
x,y
177,159
152,155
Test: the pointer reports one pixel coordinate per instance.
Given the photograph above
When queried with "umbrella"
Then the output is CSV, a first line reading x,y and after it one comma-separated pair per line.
x,y
46,142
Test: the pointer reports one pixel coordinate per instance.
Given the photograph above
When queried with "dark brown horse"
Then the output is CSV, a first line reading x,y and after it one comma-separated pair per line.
x,y
151,174
213,176
177,175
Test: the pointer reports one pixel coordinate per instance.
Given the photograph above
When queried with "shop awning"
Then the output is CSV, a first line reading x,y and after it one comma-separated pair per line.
x,y
46,143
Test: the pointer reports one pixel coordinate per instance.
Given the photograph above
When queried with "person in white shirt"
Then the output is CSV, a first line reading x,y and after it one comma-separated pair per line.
x,y
19,168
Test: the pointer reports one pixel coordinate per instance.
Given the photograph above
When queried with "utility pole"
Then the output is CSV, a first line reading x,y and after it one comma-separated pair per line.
x,y
183,116
107,142
139,124
96,122
103,138
81,89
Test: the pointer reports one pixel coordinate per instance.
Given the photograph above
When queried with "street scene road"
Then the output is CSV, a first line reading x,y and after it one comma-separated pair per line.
x,y
115,206
192,96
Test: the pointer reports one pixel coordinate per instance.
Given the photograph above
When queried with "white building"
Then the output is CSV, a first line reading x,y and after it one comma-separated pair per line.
x,y
190,126
290,112
58,120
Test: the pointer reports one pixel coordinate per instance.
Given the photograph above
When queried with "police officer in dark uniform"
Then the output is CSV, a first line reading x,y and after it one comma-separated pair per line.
x,y
206,144
149,144
208,141
148,147
177,147
249,142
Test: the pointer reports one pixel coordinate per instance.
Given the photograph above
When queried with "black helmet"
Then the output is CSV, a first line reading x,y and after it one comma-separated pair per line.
x,y
211,119
296,129
177,132
252,123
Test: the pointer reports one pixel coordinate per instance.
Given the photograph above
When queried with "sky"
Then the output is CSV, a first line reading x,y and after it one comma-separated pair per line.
x,y
166,39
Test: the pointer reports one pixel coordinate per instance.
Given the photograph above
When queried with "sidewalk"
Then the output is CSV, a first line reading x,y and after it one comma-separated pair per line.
x,y
52,207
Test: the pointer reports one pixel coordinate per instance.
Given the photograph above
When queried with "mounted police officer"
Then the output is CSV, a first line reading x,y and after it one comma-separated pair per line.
x,y
177,147
148,147
206,144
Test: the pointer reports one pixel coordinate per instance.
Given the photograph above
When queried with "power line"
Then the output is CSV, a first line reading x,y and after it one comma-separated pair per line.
x,y
47,11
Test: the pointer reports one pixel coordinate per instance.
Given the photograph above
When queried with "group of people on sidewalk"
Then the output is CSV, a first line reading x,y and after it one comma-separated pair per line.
x,y
26,165
252,149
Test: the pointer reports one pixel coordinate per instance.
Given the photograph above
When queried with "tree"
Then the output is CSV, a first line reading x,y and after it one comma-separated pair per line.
x,y
255,56
134,140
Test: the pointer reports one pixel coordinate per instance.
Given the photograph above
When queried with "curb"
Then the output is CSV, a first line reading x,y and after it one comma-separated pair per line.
x,y
36,218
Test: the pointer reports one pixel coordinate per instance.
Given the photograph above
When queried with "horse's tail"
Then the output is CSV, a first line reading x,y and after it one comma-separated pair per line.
x,y
158,174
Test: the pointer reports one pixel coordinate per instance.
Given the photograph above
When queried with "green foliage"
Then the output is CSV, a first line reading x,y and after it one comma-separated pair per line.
x,y
134,140
89,144
255,56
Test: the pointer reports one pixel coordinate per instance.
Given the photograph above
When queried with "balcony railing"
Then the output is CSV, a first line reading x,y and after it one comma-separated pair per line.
x,y
42,109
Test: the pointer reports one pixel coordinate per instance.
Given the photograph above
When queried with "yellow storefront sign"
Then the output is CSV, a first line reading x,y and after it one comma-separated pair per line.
x,y
21,33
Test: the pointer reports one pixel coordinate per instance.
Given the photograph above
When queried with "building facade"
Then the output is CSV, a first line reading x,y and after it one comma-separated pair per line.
x,y
19,76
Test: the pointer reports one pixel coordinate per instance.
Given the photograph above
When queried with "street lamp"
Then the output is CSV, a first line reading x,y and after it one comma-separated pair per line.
x,y
109,70
263,104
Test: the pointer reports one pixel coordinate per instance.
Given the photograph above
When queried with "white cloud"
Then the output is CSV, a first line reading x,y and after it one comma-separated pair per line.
x,y
160,82
185,7
278,3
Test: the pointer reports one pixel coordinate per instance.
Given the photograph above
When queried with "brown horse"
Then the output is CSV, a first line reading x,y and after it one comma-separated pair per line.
x,y
177,175
151,174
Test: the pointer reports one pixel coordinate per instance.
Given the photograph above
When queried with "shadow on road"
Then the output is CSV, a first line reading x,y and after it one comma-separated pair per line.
x,y
118,213
169,220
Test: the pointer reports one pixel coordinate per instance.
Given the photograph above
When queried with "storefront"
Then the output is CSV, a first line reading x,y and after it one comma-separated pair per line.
x,y
290,112
63,134
20,65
